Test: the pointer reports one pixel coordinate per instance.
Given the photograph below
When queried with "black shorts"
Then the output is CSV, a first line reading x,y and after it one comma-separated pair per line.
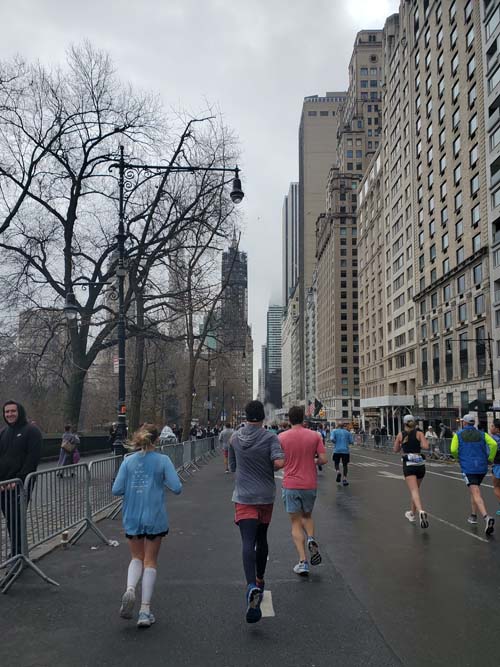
x,y
345,458
473,480
146,535
417,471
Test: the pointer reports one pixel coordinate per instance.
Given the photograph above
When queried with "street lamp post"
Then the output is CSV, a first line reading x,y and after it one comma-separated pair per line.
x,y
125,175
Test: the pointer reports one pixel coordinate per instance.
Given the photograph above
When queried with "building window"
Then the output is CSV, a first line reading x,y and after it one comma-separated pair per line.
x,y
475,215
473,125
462,312
474,184
479,304
461,285
460,255
476,243
477,274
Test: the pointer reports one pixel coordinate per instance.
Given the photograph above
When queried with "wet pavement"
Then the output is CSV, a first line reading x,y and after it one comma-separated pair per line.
x,y
387,593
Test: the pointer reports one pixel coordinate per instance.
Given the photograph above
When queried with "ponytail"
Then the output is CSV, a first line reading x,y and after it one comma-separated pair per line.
x,y
143,438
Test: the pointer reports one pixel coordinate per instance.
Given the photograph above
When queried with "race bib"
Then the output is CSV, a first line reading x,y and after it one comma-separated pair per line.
x,y
415,460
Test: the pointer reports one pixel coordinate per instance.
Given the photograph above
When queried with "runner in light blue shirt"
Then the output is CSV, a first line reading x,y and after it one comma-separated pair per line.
x,y
141,480
341,439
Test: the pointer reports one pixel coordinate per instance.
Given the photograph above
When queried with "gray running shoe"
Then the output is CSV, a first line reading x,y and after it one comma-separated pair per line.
x,y
472,519
145,620
128,602
302,568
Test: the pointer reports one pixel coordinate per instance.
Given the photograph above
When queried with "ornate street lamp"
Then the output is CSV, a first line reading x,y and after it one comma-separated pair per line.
x,y
125,179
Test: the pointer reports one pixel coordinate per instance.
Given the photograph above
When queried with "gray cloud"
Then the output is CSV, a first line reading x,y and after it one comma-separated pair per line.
x,y
254,60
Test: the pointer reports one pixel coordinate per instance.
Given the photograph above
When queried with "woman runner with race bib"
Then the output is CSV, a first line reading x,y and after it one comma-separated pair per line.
x,y
411,442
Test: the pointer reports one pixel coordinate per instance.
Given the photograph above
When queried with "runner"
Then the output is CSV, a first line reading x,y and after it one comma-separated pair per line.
x,y
142,479
224,438
474,449
495,471
254,454
341,439
412,442
302,448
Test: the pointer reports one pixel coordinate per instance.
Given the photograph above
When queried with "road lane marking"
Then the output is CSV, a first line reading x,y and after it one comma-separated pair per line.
x,y
428,472
266,606
462,530
391,475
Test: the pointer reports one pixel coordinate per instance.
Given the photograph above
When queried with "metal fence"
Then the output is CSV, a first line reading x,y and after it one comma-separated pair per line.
x,y
439,448
55,501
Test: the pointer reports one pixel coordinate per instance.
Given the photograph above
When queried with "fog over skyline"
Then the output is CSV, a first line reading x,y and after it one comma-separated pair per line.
x,y
253,61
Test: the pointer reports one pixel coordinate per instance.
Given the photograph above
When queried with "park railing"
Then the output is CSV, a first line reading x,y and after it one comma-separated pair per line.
x,y
56,501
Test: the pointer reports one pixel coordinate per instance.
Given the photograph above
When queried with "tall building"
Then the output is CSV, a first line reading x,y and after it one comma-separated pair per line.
x,y
437,198
490,14
317,149
290,230
273,355
234,374
358,137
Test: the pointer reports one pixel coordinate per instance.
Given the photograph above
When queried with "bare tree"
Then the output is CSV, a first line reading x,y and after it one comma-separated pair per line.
x,y
59,132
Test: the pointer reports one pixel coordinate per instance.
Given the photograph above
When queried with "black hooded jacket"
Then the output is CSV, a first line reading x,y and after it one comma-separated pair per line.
x,y
20,446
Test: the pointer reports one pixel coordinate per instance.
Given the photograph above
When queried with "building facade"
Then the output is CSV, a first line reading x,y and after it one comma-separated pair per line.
x,y
358,137
317,150
273,356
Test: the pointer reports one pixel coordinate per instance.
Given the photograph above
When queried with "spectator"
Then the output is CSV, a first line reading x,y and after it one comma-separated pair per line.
x,y
20,450
68,454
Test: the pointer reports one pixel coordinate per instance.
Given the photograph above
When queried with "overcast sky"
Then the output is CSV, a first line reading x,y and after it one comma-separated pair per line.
x,y
254,59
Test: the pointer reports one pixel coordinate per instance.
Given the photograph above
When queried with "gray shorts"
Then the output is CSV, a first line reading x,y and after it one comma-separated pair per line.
x,y
298,500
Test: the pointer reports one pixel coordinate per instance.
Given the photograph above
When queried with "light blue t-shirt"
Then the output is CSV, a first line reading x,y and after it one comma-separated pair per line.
x,y
341,439
142,479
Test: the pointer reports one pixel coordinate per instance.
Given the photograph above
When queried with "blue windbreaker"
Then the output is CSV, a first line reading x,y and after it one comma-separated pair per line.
x,y
473,449
341,439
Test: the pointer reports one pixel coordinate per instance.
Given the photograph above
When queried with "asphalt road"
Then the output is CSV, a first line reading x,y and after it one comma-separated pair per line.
x,y
387,593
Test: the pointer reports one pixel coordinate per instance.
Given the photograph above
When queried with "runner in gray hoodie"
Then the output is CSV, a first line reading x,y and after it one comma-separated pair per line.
x,y
254,455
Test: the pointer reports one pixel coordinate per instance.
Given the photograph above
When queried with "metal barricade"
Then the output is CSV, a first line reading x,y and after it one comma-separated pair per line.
x,y
14,556
102,475
60,501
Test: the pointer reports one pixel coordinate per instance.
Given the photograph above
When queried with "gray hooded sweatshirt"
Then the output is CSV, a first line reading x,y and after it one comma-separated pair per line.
x,y
252,451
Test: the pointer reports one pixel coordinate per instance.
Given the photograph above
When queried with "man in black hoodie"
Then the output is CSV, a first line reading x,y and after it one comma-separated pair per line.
x,y
20,449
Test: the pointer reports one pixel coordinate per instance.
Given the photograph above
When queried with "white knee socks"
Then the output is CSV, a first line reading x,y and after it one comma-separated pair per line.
x,y
148,584
134,573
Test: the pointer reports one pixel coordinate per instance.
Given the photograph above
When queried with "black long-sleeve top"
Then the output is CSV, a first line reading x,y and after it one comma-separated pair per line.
x,y
20,450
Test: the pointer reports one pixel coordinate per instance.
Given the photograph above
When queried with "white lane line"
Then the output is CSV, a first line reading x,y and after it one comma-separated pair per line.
x,y
462,530
391,475
266,606
428,472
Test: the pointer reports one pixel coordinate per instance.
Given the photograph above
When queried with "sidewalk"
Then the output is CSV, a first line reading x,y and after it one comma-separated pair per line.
x,y
198,602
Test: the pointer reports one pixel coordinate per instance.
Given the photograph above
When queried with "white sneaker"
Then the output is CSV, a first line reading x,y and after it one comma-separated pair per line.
x,y
128,602
410,516
302,568
145,620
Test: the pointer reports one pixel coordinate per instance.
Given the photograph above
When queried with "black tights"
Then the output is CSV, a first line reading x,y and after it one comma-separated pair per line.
x,y
254,548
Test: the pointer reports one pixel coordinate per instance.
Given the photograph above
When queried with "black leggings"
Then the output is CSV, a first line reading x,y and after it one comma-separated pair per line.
x,y
254,548
337,458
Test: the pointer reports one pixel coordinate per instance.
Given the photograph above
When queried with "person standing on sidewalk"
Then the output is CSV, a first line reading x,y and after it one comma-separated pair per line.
x,y
20,451
254,455
141,480
474,449
304,451
342,439
225,436
411,442
495,470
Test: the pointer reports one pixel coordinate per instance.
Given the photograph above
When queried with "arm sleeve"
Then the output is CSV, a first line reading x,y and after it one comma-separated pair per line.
x,y
120,480
491,443
34,451
454,446
171,478
231,456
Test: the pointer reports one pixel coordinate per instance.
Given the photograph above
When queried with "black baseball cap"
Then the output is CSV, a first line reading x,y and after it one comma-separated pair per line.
x,y
255,411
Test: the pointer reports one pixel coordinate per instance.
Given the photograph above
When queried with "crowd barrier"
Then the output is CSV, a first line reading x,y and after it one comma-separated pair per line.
x,y
439,448
55,501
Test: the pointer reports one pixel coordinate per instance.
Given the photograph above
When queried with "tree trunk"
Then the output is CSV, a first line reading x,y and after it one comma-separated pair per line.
x,y
74,394
188,411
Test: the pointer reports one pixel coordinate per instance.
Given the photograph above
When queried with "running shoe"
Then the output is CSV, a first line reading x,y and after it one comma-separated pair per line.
x,y
145,619
261,584
254,598
339,476
302,568
313,547
226,471
424,522
128,602
345,482
472,519
410,516
489,525
498,512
